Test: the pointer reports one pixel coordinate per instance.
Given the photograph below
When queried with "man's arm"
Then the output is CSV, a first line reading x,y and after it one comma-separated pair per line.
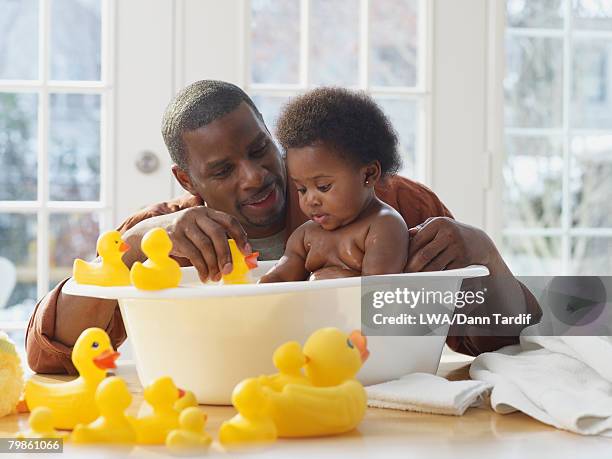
x,y
59,319
443,243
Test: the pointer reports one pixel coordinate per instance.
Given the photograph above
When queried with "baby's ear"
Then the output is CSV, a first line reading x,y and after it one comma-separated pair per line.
x,y
371,173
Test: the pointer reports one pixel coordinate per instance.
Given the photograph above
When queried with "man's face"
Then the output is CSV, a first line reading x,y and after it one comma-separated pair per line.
x,y
236,168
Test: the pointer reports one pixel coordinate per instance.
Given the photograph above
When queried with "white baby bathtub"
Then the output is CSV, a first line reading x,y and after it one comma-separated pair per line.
x,y
208,337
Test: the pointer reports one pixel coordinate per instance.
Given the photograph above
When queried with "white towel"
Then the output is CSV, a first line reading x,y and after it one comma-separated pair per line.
x,y
562,381
427,393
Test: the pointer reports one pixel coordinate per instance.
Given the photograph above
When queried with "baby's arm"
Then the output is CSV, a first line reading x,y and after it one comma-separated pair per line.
x,y
291,266
386,246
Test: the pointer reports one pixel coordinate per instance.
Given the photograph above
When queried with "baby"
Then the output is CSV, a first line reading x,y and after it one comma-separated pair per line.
x,y
339,144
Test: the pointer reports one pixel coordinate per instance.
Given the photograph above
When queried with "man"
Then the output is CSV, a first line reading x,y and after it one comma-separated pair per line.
x,y
226,160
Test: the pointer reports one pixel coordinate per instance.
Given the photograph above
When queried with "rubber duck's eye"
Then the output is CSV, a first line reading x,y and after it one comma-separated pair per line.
x,y
350,343
116,242
95,344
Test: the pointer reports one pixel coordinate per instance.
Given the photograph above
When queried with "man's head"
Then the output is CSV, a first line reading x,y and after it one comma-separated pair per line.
x,y
224,153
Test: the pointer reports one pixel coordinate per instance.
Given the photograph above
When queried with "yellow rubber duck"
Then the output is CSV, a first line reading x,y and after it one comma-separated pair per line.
x,y
332,403
113,426
289,360
73,402
11,376
241,265
159,271
152,429
111,271
41,425
190,434
250,425
187,400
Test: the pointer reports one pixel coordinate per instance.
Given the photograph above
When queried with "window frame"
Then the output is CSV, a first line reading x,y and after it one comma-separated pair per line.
x,y
420,93
43,207
495,224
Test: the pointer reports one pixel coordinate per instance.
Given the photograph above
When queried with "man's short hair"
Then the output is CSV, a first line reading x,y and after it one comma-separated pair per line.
x,y
195,106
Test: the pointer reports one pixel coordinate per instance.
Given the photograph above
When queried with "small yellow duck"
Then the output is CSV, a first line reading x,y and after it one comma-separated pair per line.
x,y
74,402
187,400
191,434
331,402
289,360
241,265
113,426
11,376
250,425
111,271
41,425
161,394
159,271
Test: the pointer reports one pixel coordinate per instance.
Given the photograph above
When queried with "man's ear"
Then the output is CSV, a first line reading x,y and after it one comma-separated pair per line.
x,y
183,178
371,173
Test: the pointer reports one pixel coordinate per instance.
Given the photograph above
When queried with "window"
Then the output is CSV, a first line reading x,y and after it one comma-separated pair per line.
x,y
378,46
55,98
557,200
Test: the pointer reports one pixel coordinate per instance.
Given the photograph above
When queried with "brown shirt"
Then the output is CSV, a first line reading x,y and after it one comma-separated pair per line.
x,y
413,200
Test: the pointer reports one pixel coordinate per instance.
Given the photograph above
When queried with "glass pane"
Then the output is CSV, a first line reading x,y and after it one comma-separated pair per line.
x,y
533,255
75,40
394,42
591,181
19,39
592,256
334,48
74,149
270,107
533,182
70,236
275,41
533,85
535,13
403,116
18,245
592,14
18,139
592,84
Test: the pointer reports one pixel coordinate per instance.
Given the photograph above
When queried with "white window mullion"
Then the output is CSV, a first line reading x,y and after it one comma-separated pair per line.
x,y
567,82
364,44
304,43
42,233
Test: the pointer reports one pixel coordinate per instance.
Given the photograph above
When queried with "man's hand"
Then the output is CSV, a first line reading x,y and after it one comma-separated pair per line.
x,y
443,243
200,235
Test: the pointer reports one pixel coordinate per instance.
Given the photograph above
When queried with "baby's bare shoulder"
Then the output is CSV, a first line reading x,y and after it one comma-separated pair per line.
x,y
387,220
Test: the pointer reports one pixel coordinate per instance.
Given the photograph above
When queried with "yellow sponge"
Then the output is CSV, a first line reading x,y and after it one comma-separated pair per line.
x,y
11,376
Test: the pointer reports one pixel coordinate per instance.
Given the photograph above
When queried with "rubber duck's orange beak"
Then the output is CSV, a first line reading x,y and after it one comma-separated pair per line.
x,y
181,392
124,247
361,343
106,360
251,260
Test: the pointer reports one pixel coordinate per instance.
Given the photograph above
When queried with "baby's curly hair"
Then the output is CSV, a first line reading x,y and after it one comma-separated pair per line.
x,y
350,121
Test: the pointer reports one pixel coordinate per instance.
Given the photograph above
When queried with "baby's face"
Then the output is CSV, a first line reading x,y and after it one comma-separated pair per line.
x,y
332,190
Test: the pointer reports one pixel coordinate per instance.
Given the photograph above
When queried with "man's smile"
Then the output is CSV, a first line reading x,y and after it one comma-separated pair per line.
x,y
263,201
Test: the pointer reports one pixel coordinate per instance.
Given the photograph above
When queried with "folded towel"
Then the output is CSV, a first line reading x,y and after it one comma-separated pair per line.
x,y
565,382
427,393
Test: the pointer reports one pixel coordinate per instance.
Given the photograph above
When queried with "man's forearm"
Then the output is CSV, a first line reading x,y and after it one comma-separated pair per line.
x,y
77,313
504,295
